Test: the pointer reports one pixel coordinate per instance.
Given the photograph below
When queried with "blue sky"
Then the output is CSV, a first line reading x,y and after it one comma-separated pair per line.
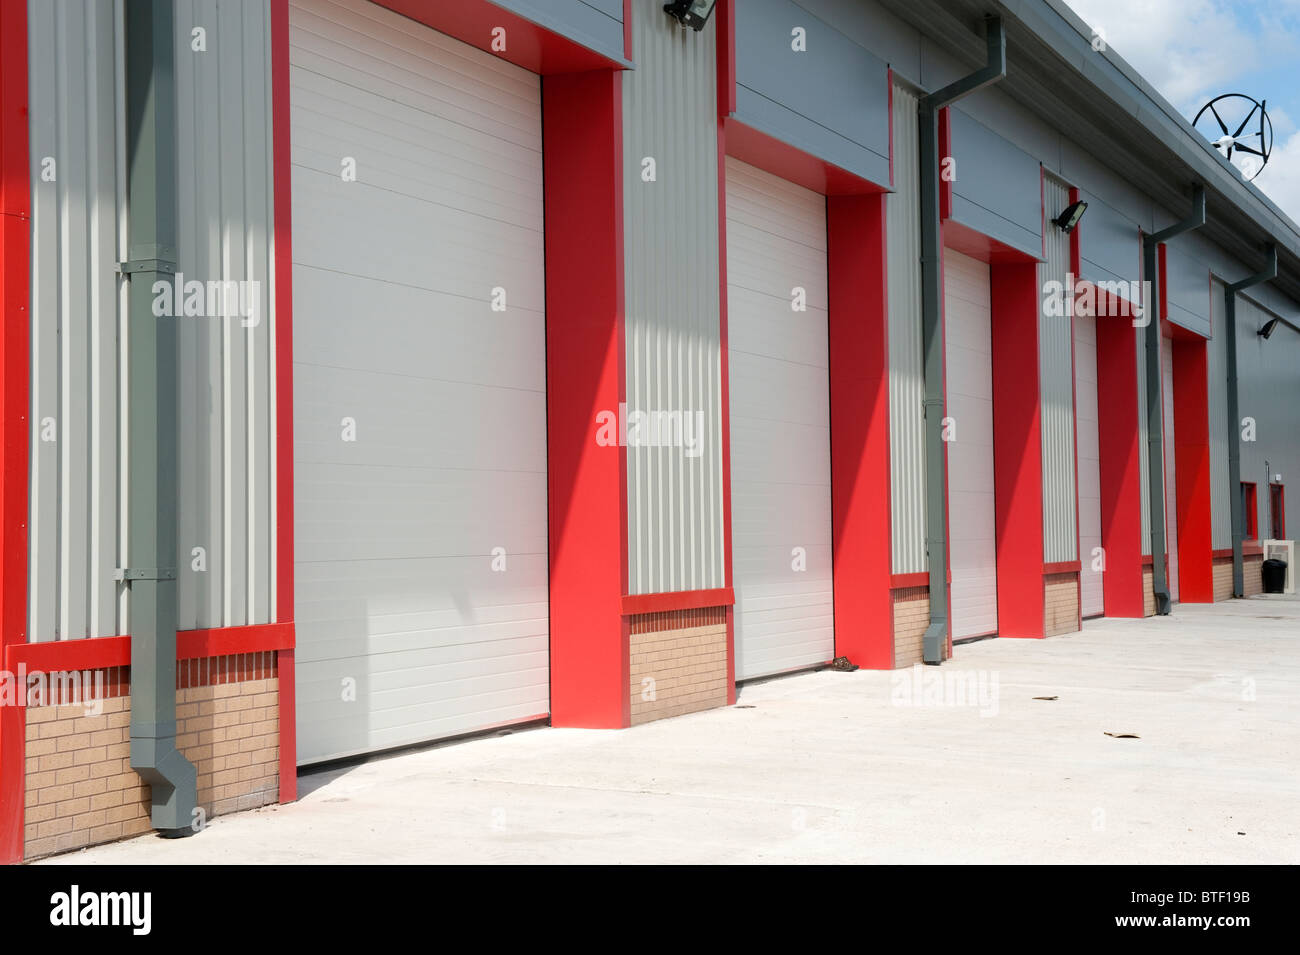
x,y
1193,50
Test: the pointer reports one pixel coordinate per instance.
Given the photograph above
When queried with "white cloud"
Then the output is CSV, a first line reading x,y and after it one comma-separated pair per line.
x,y
1189,50
1280,180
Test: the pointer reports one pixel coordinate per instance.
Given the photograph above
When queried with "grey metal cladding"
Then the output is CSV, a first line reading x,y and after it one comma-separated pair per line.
x,y
1270,394
1110,249
595,24
1188,291
831,100
226,401
906,360
225,233
77,194
1056,386
1217,395
997,190
672,303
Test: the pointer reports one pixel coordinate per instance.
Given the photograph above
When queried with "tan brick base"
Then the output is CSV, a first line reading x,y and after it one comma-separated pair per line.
x,y
1222,578
1148,592
80,787
1252,569
1060,604
678,663
911,618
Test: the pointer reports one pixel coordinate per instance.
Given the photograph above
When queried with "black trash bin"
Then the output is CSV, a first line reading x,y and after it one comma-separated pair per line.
x,y
1274,574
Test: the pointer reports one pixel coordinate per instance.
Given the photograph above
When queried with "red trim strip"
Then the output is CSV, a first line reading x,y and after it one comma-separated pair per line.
x,y
678,600
15,296
757,148
725,14
903,581
96,653
1253,548
282,165
1221,553
945,152
1062,567
627,30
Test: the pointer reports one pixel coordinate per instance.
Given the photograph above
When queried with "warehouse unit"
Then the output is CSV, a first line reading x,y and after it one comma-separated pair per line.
x,y
632,362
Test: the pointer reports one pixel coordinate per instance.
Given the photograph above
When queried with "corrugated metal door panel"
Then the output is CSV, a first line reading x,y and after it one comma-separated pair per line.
x,y
1056,387
906,368
74,464
1089,455
672,337
968,351
399,603
780,424
1217,394
1170,462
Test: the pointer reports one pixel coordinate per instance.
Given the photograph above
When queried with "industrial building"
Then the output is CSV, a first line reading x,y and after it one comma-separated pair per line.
x,y
378,372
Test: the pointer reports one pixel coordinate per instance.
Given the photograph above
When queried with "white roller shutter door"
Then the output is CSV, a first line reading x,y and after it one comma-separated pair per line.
x,y
1089,455
968,348
419,411
780,424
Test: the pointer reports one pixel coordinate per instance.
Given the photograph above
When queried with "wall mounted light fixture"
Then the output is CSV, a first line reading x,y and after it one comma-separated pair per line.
x,y
1068,219
691,13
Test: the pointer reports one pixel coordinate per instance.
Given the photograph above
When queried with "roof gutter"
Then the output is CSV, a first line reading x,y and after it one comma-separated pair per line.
x,y
1154,405
935,642
1234,420
151,424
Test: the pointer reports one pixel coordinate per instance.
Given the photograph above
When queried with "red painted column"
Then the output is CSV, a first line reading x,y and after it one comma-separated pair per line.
x,y
1192,473
582,168
1117,432
1017,449
859,382
15,295
281,165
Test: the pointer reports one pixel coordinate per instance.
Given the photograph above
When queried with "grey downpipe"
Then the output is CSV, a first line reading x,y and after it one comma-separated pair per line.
x,y
1234,419
152,434
936,501
1154,405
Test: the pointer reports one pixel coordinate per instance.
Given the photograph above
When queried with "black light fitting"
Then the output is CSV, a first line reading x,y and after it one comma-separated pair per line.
x,y
1068,219
691,13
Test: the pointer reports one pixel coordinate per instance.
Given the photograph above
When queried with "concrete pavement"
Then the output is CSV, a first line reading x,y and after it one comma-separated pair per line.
x,y
952,764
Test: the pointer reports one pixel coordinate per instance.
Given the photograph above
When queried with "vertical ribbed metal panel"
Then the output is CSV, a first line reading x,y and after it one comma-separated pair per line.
x,y
78,300
1144,452
74,98
673,345
1217,393
224,128
1056,391
906,371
